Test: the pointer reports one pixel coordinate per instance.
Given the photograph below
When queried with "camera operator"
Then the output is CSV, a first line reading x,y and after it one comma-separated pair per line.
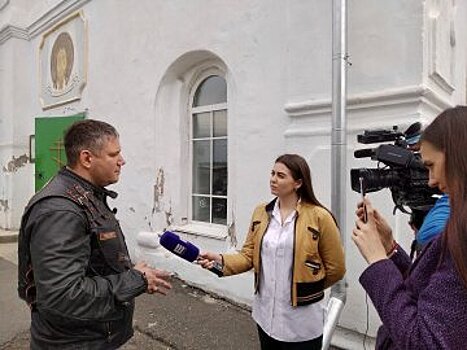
x,y
424,305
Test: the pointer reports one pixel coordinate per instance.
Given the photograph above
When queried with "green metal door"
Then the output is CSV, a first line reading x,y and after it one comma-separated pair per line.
x,y
49,149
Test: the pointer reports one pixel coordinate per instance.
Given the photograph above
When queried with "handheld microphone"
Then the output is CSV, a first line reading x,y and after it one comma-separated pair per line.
x,y
185,250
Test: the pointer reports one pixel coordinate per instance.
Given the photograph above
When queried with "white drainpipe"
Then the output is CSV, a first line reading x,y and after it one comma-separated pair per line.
x,y
339,171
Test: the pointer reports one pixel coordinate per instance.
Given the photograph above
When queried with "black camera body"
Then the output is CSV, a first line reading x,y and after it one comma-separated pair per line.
x,y
403,171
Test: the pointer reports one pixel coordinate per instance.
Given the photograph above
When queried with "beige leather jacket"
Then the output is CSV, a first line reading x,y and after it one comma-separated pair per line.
x,y
318,254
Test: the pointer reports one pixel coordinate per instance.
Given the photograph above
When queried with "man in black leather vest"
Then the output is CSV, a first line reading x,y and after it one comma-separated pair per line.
x,y
74,268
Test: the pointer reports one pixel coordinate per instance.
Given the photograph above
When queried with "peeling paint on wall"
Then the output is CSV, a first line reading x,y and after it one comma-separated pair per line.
x,y
232,232
4,205
158,191
169,216
16,163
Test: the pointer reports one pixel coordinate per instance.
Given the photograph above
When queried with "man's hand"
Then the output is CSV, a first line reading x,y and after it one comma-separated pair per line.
x,y
157,279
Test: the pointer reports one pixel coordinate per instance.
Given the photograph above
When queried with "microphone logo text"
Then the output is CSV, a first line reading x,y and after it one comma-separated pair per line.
x,y
179,249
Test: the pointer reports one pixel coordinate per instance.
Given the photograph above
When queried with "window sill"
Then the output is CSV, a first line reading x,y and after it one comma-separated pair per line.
x,y
203,230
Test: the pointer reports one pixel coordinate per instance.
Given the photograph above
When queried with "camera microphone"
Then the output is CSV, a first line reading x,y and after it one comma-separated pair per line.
x,y
364,153
413,133
413,130
185,250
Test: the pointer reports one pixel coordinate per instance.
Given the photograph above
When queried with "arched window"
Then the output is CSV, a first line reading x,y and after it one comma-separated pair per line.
x,y
209,151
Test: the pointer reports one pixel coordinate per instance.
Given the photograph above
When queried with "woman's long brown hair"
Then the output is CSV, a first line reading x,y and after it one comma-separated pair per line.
x,y
448,133
301,171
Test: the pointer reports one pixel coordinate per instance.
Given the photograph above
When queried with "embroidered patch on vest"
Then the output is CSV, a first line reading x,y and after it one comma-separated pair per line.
x,y
122,257
104,236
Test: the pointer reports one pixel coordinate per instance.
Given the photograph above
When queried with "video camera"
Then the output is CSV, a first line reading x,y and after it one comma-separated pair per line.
x,y
403,171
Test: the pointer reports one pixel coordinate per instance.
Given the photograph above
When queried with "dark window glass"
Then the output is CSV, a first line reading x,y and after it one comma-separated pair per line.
x,y
211,91
219,168
219,211
201,125
220,123
201,209
201,167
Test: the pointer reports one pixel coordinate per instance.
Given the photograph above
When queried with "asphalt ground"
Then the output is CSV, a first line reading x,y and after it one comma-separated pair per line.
x,y
186,319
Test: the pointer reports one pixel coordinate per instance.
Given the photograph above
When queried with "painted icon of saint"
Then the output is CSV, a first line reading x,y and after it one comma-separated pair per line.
x,y
61,61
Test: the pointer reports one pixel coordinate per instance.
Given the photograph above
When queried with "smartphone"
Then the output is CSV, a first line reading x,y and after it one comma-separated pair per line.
x,y
362,192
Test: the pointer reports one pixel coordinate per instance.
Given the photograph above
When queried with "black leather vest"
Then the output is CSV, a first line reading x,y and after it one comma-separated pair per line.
x,y
109,254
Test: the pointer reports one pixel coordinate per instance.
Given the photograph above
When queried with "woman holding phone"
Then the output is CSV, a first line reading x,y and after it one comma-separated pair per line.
x,y
423,305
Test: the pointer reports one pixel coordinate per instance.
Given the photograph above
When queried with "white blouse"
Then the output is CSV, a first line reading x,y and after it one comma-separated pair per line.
x,y
272,308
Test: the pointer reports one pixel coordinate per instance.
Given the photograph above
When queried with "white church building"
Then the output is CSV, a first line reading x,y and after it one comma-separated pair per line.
x,y
205,95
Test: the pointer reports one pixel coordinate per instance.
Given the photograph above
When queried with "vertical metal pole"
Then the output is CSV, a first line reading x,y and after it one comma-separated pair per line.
x,y
338,153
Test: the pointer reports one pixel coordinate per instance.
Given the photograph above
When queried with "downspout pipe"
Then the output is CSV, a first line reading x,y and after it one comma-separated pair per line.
x,y
339,171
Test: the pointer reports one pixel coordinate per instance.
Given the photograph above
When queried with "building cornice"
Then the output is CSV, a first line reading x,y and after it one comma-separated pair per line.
x,y
44,22
312,117
13,32
55,15
369,100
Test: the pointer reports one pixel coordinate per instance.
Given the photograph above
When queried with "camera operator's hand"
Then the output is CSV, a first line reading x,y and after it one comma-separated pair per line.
x,y
157,279
382,226
368,236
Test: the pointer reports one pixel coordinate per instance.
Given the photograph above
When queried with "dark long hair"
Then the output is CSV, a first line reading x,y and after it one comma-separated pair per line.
x,y
301,171
448,134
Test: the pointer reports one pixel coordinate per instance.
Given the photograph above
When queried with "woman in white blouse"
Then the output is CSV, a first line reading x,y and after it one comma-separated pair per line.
x,y
294,247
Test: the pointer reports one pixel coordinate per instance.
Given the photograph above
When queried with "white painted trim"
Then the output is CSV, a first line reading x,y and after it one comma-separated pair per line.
x,y
434,71
206,69
47,20
13,32
209,108
213,231
388,97
317,113
55,15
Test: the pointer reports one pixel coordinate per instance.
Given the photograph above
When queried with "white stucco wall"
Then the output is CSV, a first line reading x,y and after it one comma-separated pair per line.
x,y
16,183
144,56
